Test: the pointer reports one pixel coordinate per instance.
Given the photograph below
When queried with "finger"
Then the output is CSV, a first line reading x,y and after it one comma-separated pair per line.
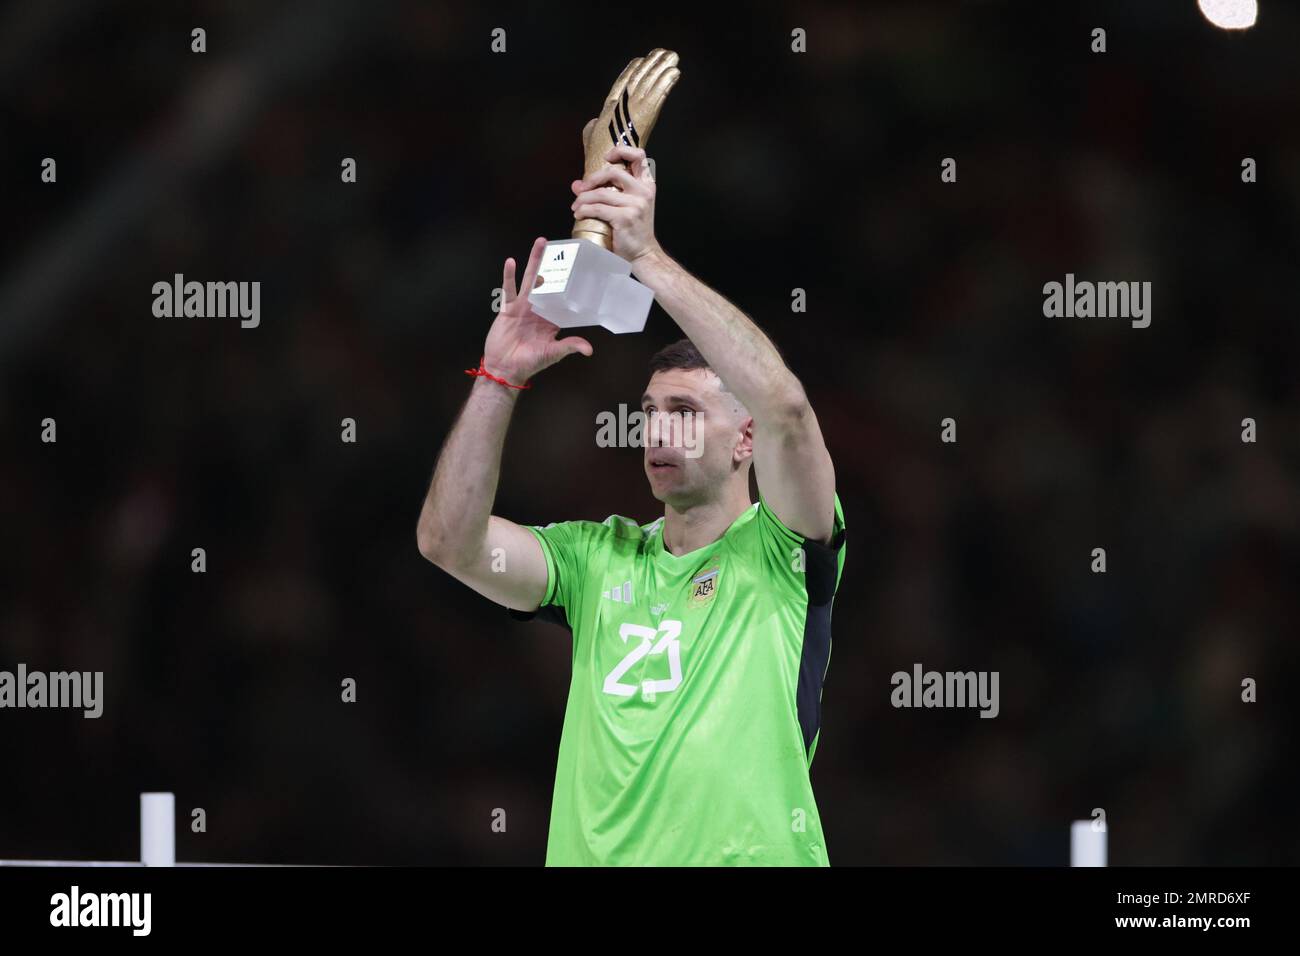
x,y
665,61
636,161
624,154
649,63
610,194
611,176
576,343
617,89
597,210
666,81
639,167
608,197
534,263
508,282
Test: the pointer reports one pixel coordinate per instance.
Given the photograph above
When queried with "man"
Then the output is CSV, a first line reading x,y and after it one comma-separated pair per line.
x,y
701,639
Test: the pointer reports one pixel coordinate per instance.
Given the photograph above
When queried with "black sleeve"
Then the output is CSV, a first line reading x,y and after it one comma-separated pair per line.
x,y
551,613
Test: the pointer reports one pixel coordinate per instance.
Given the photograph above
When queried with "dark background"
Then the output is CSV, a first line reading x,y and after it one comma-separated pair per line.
x,y
776,170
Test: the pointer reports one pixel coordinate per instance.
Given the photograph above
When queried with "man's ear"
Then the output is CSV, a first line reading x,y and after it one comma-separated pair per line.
x,y
745,447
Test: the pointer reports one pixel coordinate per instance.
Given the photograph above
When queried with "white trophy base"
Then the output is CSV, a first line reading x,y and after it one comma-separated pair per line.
x,y
584,284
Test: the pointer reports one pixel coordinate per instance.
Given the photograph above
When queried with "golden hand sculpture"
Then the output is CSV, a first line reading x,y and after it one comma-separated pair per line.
x,y
630,113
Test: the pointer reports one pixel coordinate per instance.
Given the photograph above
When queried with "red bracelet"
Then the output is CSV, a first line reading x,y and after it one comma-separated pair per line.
x,y
486,374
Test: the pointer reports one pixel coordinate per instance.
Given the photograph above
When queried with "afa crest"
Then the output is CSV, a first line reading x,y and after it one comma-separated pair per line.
x,y
703,588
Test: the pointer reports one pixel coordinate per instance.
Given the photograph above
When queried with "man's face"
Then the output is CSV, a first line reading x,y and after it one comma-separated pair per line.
x,y
695,435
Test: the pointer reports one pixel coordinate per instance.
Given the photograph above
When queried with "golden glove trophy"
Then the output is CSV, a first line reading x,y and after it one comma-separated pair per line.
x,y
584,282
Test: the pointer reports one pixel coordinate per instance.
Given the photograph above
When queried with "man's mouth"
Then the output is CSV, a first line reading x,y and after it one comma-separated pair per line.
x,y
658,463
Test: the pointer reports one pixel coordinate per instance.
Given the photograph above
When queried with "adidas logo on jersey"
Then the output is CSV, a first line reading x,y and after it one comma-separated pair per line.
x,y
621,594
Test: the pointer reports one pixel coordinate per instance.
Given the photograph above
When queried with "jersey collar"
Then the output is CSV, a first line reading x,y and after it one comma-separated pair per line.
x,y
685,562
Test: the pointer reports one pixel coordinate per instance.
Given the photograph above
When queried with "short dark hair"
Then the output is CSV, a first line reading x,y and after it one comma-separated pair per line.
x,y
680,354
684,355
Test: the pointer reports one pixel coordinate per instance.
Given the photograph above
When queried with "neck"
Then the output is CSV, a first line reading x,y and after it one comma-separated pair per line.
x,y
689,528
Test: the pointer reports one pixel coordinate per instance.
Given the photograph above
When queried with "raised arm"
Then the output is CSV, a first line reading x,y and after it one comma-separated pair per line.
x,y
457,530
791,462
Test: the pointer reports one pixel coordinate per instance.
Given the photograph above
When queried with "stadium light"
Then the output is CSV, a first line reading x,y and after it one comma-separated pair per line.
x,y
1230,14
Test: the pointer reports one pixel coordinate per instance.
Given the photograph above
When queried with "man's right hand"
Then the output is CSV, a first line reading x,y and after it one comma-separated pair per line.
x,y
521,343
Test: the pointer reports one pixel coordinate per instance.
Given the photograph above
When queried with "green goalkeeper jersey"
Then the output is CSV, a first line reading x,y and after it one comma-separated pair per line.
x,y
695,704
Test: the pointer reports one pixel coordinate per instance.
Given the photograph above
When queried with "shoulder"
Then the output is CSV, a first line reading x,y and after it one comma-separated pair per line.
x,y
611,530
767,521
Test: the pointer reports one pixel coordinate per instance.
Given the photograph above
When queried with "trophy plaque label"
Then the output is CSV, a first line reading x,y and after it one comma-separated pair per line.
x,y
556,267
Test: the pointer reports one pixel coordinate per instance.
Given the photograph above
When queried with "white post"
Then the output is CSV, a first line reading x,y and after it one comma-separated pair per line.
x,y
158,829
1087,843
